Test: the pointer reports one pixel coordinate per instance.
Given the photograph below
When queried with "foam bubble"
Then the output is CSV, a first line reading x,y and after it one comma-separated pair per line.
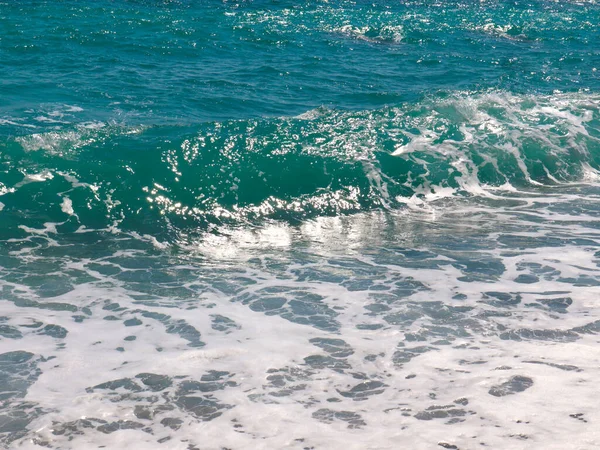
x,y
67,206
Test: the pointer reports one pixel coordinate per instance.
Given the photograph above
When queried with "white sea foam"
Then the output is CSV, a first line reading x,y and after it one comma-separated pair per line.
x,y
56,142
67,206
16,122
68,140
376,35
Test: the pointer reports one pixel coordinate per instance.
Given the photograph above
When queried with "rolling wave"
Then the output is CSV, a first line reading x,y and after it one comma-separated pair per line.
x,y
171,180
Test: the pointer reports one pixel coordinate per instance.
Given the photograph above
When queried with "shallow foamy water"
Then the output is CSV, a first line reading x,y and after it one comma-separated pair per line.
x,y
471,324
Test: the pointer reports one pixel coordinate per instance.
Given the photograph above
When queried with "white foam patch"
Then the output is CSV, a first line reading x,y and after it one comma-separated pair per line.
x,y
16,123
34,178
373,34
67,206
68,140
56,142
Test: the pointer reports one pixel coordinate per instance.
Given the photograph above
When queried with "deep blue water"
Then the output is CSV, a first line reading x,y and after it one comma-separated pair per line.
x,y
185,63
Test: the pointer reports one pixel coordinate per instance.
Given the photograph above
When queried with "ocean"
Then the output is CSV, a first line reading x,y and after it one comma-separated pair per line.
x,y
267,224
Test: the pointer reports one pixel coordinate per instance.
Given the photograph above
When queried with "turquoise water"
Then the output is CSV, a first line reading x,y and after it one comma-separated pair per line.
x,y
324,224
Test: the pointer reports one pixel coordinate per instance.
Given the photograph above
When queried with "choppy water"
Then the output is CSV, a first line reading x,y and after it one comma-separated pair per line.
x,y
268,224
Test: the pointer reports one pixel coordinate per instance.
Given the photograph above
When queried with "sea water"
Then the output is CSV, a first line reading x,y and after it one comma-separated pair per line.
x,y
305,225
